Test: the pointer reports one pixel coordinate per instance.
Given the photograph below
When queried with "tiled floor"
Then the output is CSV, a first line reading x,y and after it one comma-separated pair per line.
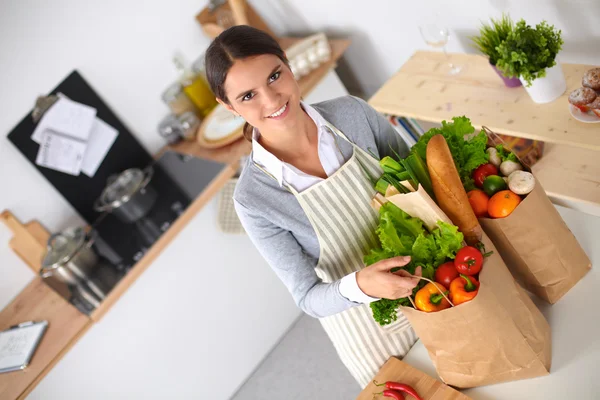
x,y
304,365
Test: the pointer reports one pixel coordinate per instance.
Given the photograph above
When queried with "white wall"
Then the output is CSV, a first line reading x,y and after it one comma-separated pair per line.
x,y
385,32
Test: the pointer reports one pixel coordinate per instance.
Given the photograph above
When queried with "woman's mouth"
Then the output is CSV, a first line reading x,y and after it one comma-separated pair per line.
x,y
281,113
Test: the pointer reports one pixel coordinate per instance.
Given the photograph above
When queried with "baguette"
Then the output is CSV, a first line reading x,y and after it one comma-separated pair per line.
x,y
449,191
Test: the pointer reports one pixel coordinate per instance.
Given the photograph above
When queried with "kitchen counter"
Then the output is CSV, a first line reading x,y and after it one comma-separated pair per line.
x,y
575,334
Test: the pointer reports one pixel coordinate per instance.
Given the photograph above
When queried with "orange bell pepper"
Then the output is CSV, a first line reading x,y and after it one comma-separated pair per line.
x,y
463,289
429,298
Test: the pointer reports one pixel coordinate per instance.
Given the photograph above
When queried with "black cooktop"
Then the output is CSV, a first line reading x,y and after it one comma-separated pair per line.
x,y
177,180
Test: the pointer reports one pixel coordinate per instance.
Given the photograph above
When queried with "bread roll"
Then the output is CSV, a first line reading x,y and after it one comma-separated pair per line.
x,y
449,191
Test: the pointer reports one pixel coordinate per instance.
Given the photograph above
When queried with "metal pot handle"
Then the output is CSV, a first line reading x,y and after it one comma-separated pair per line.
x,y
47,273
148,174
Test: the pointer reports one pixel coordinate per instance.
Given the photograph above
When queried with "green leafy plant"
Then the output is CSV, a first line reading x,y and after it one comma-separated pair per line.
x,y
527,52
491,36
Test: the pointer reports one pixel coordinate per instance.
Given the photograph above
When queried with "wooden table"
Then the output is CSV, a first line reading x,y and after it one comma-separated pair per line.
x,y
570,170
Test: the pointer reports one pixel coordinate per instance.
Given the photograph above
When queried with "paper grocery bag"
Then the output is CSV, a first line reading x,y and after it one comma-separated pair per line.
x,y
498,336
538,247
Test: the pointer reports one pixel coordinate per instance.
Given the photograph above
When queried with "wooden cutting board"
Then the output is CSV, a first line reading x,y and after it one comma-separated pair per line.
x,y
426,386
28,241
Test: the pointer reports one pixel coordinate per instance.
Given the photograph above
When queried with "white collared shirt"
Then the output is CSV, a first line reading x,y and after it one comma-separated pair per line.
x,y
331,160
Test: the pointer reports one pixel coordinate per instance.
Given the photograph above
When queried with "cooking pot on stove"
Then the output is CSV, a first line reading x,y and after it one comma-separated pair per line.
x,y
71,259
128,196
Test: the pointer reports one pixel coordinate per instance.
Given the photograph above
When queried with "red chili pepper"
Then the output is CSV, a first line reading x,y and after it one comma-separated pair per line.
x,y
394,394
400,387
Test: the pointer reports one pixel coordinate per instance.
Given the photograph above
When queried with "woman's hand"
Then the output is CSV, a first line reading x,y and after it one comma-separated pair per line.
x,y
377,281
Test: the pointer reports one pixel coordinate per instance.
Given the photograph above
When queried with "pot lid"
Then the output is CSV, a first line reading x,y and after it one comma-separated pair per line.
x,y
63,246
121,189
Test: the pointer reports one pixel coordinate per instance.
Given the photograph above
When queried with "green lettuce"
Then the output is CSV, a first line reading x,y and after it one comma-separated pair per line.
x,y
467,154
505,155
400,234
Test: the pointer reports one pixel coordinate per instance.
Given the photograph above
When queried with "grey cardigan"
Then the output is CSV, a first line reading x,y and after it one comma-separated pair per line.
x,y
277,224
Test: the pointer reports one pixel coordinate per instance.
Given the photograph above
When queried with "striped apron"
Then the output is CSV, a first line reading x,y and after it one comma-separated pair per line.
x,y
339,210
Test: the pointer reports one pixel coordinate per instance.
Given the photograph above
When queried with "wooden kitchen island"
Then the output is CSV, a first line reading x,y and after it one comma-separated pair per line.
x,y
569,171
66,324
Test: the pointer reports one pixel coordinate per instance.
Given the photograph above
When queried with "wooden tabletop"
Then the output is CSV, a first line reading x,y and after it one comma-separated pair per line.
x,y
422,89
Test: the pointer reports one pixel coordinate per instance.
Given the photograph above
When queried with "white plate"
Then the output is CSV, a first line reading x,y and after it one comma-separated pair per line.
x,y
583,117
221,123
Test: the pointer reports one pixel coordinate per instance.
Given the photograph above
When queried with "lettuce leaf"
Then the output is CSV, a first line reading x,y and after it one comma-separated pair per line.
x,y
467,154
448,241
401,234
505,155
375,255
404,223
423,249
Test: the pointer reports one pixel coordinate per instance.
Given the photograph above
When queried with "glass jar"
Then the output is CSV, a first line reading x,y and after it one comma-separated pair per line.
x,y
195,86
177,101
170,128
189,123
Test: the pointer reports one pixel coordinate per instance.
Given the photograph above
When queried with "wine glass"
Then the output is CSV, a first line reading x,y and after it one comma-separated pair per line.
x,y
436,36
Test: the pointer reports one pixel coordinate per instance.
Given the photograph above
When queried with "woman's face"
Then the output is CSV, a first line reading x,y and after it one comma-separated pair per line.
x,y
263,90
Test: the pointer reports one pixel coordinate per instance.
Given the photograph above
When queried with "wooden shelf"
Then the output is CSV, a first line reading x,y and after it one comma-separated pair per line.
x,y
65,325
422,89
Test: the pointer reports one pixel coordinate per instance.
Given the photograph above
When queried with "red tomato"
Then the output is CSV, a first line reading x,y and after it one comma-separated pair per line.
x,y
468,261
482,172
446,273
479,202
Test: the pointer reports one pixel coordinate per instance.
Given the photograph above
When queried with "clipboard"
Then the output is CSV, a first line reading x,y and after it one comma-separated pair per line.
x,y
18,344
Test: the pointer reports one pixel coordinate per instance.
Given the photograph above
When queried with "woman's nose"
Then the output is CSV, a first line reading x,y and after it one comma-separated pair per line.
x,y
272,99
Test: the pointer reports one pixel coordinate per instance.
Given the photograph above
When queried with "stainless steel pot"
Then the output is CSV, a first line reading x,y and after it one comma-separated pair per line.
x,y
128,195
71,259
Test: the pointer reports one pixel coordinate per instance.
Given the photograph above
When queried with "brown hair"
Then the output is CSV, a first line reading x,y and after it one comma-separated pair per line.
x,y
235,43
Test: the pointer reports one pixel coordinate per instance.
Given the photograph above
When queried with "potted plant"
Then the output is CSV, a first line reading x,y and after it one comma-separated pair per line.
x,y
530,54
490,37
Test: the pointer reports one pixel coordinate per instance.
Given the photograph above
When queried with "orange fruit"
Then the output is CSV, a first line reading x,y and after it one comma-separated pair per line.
x,y
503,203
479,202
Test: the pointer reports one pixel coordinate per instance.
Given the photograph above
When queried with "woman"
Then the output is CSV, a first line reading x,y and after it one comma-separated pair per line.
x,y
304,195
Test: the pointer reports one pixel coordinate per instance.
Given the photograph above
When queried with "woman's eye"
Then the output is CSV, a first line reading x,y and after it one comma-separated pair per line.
x,y
275,76
248,97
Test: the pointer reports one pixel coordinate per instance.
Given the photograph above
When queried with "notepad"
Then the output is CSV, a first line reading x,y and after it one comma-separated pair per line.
x,y
18,344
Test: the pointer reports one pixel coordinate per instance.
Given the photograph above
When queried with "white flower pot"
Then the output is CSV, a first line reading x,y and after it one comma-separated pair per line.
x,y
548,88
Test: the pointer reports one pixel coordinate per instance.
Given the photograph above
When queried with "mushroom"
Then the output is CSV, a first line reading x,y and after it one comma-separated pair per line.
x,y
521,182
508,167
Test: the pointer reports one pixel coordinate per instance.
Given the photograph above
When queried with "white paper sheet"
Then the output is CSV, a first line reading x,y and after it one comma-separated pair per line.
x,y
68,118
61,153
102,137
17,345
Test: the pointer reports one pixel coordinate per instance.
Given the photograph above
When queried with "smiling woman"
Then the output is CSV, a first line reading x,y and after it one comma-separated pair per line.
x,y
304,195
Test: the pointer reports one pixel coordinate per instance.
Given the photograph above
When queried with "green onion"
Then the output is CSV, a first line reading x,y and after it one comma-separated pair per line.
x,y
395,183
381,186
417,169
390,165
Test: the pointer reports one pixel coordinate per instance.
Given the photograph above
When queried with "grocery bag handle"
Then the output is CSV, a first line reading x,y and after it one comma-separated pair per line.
x,y
434,284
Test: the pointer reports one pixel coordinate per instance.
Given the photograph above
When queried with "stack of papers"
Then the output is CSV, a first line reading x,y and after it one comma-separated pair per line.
x,y
72,139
